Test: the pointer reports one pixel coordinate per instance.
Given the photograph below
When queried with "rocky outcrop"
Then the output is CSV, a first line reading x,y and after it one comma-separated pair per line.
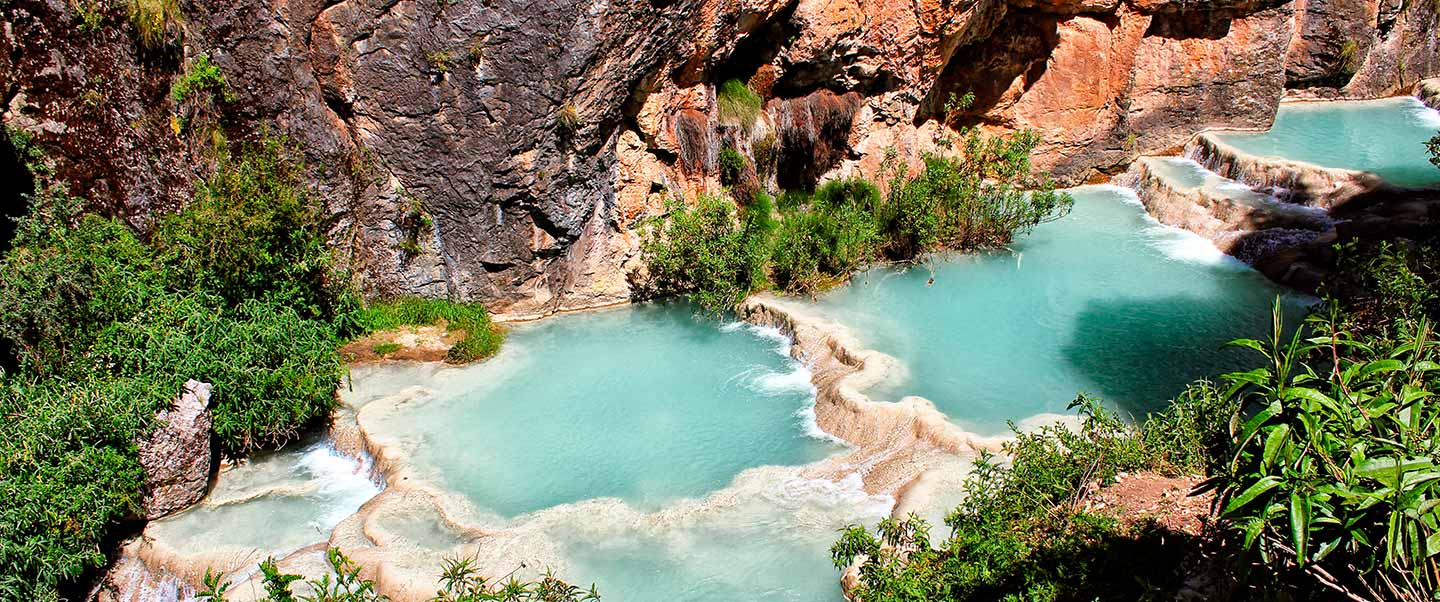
x,y
1428,91
538,135
176,456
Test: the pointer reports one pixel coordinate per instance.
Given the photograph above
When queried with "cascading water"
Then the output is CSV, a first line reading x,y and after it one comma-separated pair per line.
x,y
1385,137
668,457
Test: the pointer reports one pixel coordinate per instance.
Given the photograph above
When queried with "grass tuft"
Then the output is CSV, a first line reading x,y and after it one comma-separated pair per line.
x,y
482,337
738,104
157,22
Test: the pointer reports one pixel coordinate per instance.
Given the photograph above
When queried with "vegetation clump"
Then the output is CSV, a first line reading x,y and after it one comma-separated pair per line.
x,y
157,23
719,253
459,582
201,75
737,104
102,329
482,337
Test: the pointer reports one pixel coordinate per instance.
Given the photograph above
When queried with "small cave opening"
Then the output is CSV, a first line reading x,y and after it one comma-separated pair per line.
x,y
15,197
14,203
1210,25
758,48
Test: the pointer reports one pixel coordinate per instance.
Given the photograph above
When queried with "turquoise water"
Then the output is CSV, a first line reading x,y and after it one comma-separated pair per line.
x,y
1386,137
663,456
645,403
272,504
1105,301
695,430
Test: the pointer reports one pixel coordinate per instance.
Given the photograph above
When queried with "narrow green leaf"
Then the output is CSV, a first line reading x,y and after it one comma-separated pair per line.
x,y
1300,525
1254,491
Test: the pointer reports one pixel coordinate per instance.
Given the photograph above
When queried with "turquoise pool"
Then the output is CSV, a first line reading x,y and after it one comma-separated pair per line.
x,y
1105,301
1386,137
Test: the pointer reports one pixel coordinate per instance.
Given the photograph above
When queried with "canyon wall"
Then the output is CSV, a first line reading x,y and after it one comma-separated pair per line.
x,y
534,136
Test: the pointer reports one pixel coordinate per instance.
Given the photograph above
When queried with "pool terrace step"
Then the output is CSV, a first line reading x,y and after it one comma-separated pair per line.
x,y
1246,223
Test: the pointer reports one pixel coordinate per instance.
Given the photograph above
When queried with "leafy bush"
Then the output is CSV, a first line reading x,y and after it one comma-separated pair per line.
x,y
105,330
89,15
1022,532
824,236
68,473
65,278
253,232
732,166
459,582
737,104
201,76
700,250
976,199
832,235
1334,468
482,337
272,370
1381,285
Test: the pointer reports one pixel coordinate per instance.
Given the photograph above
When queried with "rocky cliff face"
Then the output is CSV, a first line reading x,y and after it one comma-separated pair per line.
x,y
537,134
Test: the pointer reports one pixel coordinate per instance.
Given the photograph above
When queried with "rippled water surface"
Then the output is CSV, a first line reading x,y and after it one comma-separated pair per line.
x,y
1105,301
646,403
1386,137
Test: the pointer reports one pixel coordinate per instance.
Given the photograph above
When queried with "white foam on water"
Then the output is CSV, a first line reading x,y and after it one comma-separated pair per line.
x,y
798,379
344,481
811,426
794,380
1422,113
770,333
1178,244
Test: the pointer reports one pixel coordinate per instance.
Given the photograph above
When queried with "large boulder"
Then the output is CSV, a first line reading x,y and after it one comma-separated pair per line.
x,y
177,455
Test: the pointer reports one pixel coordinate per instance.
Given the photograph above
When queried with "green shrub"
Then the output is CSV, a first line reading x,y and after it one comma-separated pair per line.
x,y
254,232
201,76
65,278
157,23
834,234
699,250
459,582
732,166
978,198
1334,467
69,472
272,370
737,104
89,15
482,337
1022,534
1381,285
953,203
439,61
